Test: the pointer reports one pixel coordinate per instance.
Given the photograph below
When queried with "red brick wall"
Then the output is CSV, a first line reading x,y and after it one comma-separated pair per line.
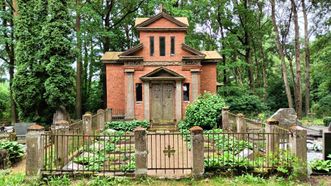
x,y
208,77
115,86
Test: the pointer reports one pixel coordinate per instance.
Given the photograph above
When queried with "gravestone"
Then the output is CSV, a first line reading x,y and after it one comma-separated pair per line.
x,y
21,130
326,144
61,114
287,117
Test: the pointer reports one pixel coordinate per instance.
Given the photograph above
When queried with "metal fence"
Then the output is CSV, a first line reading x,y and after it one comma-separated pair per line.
x,y
168,152
247,151
69,152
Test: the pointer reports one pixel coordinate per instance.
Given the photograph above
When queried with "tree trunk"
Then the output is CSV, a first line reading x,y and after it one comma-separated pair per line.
x,y
297,95
282,56
79,64
307,58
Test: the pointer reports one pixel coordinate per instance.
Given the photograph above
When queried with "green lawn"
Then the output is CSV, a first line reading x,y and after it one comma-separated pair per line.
x,y
11,179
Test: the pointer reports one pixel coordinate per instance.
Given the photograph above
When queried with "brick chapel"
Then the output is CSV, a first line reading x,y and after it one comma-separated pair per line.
x,y
159,77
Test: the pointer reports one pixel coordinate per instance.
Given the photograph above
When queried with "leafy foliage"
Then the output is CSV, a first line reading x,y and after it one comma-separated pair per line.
x,y
127,125
4,103
321,165
15,150
204,111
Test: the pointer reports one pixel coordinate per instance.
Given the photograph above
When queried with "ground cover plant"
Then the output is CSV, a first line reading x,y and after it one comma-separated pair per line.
x,y
321,166
15,150
127,125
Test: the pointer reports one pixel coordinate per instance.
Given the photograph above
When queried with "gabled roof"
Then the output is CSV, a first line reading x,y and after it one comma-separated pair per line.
x,y
132,50
160,15
142,19
196,53
162,73
212,55
111,56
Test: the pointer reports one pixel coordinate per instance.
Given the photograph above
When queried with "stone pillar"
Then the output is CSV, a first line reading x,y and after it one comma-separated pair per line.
x,y
101,119
146,101
179,100
87,123
298,144
241,125
195,85
61,143
109,115
272,145
34,150
225,119
129,114
197,140
140,141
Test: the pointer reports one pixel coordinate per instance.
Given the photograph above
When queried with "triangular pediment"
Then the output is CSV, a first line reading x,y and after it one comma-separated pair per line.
x,y
161,15
162,74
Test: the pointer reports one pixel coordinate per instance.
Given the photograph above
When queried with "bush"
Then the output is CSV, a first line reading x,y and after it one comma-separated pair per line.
x,y
4,103
15,150
327,121
242,100
323,107
204,111
127,125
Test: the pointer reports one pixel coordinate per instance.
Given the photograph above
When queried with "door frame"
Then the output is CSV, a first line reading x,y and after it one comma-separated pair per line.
x,y
173,96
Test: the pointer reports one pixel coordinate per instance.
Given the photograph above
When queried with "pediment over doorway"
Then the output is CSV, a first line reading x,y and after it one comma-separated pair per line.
x,y
162,74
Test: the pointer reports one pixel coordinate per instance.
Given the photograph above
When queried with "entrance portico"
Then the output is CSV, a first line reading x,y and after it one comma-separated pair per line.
x,y
163,96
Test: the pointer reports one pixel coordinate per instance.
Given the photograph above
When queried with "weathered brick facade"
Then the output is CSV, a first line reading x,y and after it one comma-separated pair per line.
x,y
136,65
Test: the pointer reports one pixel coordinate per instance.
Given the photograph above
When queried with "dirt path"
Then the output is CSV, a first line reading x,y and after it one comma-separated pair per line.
x,y
19,167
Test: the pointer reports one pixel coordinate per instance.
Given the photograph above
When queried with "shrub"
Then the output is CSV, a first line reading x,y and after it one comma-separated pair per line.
x,y
15,150
327,121
204,111
127,125
247,104
323,106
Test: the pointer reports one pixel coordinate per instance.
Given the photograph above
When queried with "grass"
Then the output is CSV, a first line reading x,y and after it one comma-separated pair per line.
x,y
306,121
13,179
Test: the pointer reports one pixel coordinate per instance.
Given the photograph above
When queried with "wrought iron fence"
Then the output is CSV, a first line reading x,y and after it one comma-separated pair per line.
x,y
248,151
88,154
168,152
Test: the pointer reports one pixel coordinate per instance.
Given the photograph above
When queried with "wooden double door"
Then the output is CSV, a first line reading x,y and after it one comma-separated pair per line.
x,y
163,102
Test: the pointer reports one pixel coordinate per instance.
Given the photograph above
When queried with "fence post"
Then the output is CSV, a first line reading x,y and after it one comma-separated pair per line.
x,y
87,123
61,142
272,145
197,140
241,125
298,141
225,118
140,141
101,119
34,150
109,115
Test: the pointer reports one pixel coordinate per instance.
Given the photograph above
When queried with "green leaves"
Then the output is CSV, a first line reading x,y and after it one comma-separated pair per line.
x,y
127,125
15,150
204,111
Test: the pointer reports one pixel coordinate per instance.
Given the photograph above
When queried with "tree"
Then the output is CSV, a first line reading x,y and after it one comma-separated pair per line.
x,y
297,92
281,54
30,73
57,56
78,62
307,58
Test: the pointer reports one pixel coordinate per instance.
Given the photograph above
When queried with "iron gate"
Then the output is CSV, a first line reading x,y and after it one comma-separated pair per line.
x,y
168,153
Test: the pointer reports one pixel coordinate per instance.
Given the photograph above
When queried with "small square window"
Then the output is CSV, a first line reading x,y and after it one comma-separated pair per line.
x,y
139,92
186,92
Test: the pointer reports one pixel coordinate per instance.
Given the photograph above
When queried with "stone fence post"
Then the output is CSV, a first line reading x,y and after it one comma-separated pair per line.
x,y
225,118
101,119
34,150
108,115
298,144
272,137
241,125
197,140
87,123
140,140
61,142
